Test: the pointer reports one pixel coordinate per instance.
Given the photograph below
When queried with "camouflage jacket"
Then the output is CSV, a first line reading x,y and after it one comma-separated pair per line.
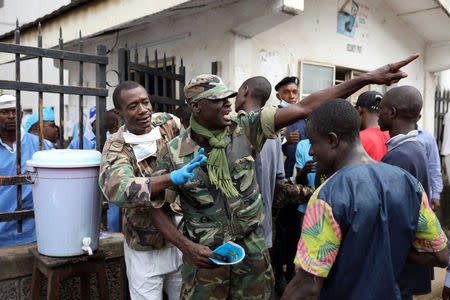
x,y
290,193
211,218
123,183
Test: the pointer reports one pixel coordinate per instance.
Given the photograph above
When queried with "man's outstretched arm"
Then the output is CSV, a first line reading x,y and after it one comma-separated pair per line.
x,y
120,186
387,75
303,286
196,254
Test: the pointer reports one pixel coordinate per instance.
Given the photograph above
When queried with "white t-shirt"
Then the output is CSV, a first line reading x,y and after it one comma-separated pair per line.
x,y
445,149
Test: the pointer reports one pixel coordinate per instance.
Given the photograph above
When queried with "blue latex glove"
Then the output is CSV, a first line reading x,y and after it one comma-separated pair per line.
x,y
181,176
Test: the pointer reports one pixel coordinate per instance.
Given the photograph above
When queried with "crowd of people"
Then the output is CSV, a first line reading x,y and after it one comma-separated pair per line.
x,y
352,189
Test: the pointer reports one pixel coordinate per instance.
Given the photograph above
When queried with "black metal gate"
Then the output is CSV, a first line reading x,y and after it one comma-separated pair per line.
x,y
157,76
441,107
100,91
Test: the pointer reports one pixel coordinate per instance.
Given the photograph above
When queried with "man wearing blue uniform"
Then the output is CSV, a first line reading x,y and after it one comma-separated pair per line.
x,y
8,193
89,138
51,131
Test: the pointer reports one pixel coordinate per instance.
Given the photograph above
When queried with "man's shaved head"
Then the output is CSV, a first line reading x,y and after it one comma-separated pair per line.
x,y
337,116
407,100
255,90
260,88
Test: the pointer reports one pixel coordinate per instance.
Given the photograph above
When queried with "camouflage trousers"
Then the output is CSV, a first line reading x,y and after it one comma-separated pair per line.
x,y
252,278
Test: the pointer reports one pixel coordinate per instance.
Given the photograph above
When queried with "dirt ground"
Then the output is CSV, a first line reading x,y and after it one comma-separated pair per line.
x,y
436,286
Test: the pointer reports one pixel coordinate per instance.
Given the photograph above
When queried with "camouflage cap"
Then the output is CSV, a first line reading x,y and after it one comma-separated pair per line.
x,y
207,86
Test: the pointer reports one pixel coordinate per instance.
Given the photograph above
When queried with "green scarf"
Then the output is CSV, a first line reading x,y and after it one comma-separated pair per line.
x,y
218,171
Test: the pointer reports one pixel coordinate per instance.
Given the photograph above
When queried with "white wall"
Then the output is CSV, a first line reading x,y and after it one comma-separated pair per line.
x,y
26,11
444,80
312,36
276,53
28,73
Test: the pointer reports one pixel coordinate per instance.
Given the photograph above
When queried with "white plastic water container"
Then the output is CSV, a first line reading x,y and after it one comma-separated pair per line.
x,y
66,200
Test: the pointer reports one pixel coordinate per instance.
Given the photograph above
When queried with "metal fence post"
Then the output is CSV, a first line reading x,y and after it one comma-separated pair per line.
x,y
100,79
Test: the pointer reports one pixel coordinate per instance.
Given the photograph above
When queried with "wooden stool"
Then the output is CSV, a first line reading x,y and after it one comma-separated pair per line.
x,y
60,268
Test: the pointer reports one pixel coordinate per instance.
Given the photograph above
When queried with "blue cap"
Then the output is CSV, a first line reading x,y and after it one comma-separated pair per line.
x,y
92,115
47,113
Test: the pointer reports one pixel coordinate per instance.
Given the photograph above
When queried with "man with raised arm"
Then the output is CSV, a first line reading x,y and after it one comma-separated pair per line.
x,y
223,203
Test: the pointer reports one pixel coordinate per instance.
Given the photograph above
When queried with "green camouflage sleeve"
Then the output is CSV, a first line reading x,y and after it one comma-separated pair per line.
x,y
289,193
119,184
163,163
259,126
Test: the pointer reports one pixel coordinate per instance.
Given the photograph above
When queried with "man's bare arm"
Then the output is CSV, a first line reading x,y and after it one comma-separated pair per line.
x,y
434,259
196,254
160,183
301,177
303,286
387,75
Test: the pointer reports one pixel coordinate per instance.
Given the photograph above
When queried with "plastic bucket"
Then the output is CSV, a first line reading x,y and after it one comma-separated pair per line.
x,y
67,206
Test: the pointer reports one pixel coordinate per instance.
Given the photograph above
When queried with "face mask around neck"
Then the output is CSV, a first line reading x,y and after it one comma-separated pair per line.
x,y
284,104
143,145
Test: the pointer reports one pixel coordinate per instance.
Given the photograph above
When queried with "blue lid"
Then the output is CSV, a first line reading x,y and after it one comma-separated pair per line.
x,y
65,158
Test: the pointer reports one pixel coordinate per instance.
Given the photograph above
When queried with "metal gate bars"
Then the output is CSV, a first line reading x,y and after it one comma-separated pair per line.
x,y
100,92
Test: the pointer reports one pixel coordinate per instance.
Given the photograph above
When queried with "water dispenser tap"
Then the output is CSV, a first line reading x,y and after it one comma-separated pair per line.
x,y
86,245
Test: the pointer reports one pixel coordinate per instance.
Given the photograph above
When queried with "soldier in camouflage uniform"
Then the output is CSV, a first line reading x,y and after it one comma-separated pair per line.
x,y
126,180
211,217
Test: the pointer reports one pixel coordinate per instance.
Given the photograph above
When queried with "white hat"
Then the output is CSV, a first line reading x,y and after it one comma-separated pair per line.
x,y
7,101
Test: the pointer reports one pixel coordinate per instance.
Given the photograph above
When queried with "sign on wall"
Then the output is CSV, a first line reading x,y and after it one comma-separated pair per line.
x,y
352,22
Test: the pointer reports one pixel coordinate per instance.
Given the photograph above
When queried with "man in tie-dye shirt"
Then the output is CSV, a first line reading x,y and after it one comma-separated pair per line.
x,y
364,222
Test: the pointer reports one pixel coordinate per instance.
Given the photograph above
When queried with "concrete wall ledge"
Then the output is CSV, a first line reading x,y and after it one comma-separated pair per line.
x,y
16,261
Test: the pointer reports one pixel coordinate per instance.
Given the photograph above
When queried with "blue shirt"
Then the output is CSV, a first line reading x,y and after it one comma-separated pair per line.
x,y
8,193
289,149
359,228
89,141
428,142
302,156
113,217
50,144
